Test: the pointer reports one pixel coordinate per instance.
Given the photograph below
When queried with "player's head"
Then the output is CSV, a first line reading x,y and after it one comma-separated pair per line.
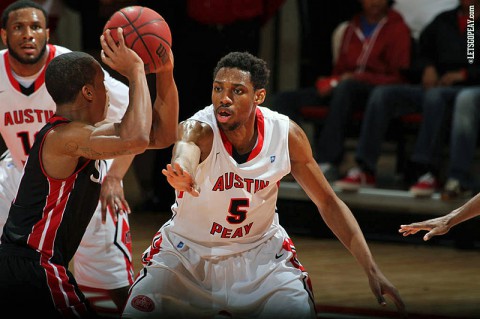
x,y
239,85
259,72
73,74
24,31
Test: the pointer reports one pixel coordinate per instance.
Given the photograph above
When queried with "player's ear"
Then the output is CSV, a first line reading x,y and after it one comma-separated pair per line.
x,y
3,33
260,96
87,92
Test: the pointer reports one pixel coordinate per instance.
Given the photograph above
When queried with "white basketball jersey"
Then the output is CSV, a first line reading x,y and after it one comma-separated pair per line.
x,y
236,209
22,115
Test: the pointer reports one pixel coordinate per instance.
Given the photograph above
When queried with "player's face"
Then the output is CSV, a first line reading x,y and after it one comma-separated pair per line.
x,y
233,98
26,35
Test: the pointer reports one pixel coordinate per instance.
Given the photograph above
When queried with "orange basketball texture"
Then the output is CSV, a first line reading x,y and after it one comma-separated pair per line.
x,y
145,31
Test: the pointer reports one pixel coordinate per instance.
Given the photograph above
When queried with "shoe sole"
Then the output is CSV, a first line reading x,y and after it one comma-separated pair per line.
x,y
421,192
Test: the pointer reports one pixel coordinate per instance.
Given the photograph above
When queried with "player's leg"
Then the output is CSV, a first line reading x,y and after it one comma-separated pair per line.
x,y
174,284
269,282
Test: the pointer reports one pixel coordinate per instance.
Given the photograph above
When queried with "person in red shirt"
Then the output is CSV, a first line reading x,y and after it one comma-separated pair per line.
x,y
374,50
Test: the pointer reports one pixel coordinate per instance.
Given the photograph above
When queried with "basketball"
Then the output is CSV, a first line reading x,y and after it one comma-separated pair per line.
x,y
145,31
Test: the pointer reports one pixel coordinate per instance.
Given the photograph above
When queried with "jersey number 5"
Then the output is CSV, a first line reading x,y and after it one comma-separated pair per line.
x,y
237,210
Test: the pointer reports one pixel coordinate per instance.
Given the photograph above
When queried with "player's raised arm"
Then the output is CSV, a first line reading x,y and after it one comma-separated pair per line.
x,y
165,106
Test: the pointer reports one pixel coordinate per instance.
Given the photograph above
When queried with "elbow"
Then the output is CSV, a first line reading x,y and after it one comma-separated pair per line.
x,y
165,140
139,145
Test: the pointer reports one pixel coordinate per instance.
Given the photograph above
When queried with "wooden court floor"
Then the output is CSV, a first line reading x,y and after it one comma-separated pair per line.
x,y
435,282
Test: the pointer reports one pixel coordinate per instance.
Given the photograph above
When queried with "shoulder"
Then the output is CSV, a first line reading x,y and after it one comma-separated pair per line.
x,y
60,50
195,130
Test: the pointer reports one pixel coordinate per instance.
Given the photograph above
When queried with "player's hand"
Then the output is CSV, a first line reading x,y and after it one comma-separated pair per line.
x,y
118,56
381,286
180,179
436,226
112,198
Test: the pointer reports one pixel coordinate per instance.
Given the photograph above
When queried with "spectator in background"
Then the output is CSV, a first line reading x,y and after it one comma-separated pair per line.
x,y
375,49
445,71
463,142
418,14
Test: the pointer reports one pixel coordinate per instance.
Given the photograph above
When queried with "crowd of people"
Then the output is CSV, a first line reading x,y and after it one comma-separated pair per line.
x,y
223,252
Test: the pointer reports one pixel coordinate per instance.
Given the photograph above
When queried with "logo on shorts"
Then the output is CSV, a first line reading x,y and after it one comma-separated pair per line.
x,y
143,303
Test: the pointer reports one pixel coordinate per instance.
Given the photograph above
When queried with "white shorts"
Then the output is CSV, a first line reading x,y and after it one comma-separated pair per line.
x,y
104,257
265,282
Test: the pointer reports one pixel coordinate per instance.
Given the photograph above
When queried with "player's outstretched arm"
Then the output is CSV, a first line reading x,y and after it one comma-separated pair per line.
x,y
442,225
193,145
337,215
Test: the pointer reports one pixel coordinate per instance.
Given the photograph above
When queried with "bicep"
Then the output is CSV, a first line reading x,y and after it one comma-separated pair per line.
x,y
305,169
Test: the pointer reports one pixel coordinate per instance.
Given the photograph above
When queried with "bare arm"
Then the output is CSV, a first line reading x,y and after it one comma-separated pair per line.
x,y
192,147
165,107
112,195
336,214
442,225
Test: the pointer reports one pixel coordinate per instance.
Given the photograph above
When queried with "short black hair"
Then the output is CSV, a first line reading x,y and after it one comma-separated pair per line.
x,y
246,61
21,4
67,73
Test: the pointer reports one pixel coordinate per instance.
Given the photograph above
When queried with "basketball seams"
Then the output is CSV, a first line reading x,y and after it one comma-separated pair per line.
x,y
148,26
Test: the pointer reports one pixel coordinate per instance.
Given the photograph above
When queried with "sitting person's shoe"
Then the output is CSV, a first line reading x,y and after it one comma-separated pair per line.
x,y
426,185
329,170
453,190
355,179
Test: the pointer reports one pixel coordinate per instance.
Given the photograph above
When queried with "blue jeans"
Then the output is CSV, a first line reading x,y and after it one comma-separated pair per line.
x,y
349,95
391,101
464,134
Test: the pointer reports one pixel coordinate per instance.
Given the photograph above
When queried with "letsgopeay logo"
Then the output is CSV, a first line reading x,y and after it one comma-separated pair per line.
x,y
471,35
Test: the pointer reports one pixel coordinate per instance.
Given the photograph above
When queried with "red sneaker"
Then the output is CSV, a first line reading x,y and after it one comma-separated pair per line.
x,y
426,185
355,179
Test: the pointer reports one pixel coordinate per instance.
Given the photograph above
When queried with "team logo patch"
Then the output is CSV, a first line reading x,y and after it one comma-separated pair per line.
x,y
143,303
272,158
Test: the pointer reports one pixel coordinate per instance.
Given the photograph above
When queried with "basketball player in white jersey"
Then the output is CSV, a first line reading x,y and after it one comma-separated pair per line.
x,y
103,262
223,253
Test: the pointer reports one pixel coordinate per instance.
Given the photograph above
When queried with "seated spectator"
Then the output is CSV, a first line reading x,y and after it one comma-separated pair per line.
x,y
445,71
463,142
375,49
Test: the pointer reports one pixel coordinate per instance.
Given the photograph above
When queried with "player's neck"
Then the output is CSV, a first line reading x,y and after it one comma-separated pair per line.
x,y
26,70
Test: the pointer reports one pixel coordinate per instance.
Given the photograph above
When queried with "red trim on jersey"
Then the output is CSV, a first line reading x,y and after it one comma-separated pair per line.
x,y
260,138
41,78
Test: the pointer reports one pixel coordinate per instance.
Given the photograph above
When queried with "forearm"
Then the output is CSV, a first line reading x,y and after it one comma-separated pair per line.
x,y
136,122
187,154
345,227
120,166
165,111
469,210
